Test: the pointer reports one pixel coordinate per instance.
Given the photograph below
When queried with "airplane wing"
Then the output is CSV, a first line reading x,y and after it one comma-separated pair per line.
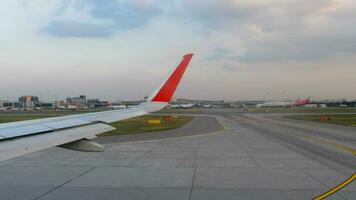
x,y
76,131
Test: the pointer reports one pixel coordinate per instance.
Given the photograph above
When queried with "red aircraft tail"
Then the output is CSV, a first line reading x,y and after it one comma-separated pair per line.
x,y
301,102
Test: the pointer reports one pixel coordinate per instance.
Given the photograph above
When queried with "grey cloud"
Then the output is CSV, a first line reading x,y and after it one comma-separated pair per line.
x,y
120,15
286,32
224,58
125,15
219,53
76,29
299,48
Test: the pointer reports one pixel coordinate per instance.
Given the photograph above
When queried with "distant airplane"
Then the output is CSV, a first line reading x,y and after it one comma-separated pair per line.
x,y
76,131
182,106
299,102
117,107
206,106
187,105
175,106
69,107
10,109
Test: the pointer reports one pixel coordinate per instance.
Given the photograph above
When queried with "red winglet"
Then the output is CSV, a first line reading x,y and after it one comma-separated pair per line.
x,y
166,92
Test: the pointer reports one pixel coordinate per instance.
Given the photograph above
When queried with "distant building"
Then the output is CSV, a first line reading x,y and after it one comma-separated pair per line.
x,y
96,103
18,105
92,103
29,101
7,104
1,104
80,101
132,103
58,103
45,105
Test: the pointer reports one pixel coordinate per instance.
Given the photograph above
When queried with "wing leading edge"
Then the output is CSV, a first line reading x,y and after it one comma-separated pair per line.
x,y
19,138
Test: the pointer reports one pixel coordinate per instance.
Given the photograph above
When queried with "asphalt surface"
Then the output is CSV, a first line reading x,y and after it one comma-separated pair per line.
x,y
256,156
333,145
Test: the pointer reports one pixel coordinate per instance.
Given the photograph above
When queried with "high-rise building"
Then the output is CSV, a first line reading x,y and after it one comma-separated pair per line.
x,y
77,101
58,103
96,103
29,101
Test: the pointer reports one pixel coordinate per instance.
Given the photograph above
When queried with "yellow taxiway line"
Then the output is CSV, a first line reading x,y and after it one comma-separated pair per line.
x,y
337,188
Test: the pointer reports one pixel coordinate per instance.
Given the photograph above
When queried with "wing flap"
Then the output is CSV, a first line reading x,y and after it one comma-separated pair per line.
x,y
21,146
23,130
31,127
42,127
66,123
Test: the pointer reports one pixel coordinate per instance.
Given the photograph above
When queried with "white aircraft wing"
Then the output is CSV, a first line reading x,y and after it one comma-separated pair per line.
x,y
76,131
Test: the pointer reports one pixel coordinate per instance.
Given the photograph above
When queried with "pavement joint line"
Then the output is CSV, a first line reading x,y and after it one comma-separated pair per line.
x,y
328,142
299,125
338,187
221,123
193,180
195,170
175,138
332,143
59,186
339,146
303,150
233,138
144,153
312,177
335,144
255,161
234,128
172,138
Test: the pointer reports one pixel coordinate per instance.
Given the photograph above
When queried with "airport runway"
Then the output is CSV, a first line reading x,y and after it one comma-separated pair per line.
x,y
256,156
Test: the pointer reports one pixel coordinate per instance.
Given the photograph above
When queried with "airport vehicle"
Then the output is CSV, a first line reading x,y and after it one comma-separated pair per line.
x,y
299,102
76,131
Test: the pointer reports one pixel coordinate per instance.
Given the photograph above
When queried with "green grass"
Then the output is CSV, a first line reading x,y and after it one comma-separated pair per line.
x,y
301,110
130,126
341,119
140,125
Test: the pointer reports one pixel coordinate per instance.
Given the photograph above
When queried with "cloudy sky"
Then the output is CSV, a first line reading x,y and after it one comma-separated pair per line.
x,y
117,49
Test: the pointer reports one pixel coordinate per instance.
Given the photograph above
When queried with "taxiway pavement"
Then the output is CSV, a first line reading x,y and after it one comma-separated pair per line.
x,y
255,156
